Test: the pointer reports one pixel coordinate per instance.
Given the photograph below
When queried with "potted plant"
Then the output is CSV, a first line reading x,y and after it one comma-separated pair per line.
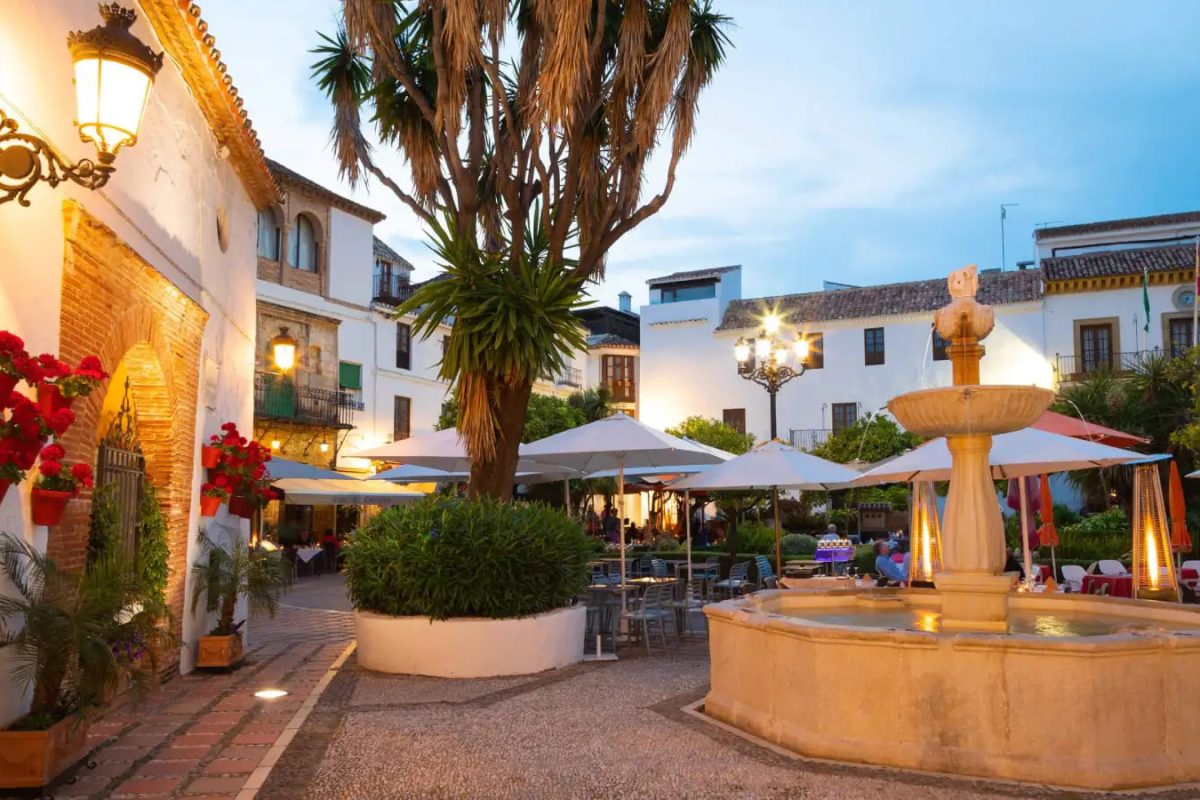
x,y
227,571
210,454
14,363
68,634
459,588
57,483
61,384
212,495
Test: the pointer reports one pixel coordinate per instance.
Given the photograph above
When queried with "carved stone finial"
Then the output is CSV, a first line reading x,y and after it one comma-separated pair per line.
x,y
964,282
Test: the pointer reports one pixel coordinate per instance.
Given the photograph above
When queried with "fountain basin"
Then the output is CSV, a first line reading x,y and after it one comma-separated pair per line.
x,y
1084,691
966,410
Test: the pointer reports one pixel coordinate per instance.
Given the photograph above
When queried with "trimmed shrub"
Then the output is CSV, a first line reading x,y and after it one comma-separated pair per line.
x,y
449,557
754,537
665,542
794,544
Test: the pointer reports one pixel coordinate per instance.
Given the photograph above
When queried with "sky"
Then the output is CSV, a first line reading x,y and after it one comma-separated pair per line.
x,y
861,143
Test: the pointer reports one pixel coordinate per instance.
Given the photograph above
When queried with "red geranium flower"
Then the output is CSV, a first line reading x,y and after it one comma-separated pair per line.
x,y
81,471
53,452
50,468
60,420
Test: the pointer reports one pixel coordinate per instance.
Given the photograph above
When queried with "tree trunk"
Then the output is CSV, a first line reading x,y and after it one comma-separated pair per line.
x,y
495,478
225,621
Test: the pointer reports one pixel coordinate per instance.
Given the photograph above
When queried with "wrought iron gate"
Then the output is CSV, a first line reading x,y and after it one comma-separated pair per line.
x,y
120,465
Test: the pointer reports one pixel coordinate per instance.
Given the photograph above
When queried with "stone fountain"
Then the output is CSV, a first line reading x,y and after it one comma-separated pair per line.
x,y
973,678
973,585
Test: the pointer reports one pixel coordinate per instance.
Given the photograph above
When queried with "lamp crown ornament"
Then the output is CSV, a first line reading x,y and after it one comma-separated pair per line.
x,y
116,38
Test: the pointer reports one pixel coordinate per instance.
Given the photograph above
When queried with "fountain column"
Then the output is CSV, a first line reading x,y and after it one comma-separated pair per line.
x,y
972,583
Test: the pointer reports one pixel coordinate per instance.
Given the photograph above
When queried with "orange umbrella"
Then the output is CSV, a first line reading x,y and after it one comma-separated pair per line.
x,y
1047,534
1180,541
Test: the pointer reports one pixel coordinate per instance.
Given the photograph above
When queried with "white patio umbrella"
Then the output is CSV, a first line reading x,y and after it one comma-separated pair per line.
x,y
412,473
317,491
279,468
444,450
1014,455
618,441
773,466
1195,474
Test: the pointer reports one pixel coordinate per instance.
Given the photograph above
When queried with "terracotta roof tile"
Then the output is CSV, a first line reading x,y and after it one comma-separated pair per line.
x,y
693,275
1181,218
382,250
996,288
1120,262
286,175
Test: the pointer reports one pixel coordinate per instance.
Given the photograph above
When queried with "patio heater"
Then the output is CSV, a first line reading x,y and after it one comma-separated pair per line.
x,y
1154,575
925,535
763,360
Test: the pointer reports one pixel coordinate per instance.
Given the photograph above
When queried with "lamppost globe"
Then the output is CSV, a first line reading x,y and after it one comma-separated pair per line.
x,y
762,348
770,368
283,350
771,324
801,349
741,351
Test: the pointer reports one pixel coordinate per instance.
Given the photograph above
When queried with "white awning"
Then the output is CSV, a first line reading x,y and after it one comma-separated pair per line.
x,y
321,492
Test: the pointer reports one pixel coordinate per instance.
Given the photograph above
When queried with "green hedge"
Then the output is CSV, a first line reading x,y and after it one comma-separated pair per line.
x,y
448,557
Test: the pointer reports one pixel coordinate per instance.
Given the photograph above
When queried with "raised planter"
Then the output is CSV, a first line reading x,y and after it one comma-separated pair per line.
x,y
31,759
219,651
470,647
47,505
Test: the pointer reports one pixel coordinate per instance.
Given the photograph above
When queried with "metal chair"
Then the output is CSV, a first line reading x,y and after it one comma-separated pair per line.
x,y
648,611
766,575
738,580
645,565
691,599
658,568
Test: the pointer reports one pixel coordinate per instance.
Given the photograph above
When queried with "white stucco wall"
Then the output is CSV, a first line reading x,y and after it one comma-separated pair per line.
x,y
688,367
1062,310
162,202
351,257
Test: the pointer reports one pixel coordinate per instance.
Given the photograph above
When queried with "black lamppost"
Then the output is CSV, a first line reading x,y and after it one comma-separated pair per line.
x,y
764,358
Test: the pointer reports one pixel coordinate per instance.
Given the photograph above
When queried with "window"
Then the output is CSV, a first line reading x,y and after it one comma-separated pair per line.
x,y
1179,336
403,346
304,245
735,418
939,347
694,290
268,235
618,376
844,415
401,418
349,375
873,346
816,350
1095,347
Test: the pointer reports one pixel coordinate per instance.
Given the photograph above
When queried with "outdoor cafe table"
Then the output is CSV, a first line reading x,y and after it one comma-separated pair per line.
x,y
634,586
702,569
1118,585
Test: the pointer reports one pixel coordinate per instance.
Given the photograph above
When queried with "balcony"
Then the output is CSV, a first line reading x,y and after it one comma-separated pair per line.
x,y
279,398
391,289
808,439
1073,368
569,376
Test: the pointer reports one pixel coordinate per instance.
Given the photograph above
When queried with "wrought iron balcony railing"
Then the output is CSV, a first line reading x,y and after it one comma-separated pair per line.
x,y
277,397
1075,367
808,439
391,289
569,376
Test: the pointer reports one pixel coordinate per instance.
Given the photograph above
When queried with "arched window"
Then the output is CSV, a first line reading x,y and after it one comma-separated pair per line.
x,y
304,245
268,235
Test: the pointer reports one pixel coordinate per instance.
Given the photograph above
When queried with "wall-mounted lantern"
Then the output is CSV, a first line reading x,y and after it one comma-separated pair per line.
x,y
114,71
1153,570
283,350
925,537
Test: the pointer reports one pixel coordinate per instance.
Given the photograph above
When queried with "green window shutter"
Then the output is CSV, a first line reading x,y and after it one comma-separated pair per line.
x,y
350,375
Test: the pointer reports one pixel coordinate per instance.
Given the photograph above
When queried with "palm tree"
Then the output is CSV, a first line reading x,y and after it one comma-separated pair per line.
x,y
230,570
527,170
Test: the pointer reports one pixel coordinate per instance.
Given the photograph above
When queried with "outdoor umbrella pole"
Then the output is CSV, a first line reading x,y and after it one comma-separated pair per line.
x,y
621,520
567,495
687,527
778,555
1025,551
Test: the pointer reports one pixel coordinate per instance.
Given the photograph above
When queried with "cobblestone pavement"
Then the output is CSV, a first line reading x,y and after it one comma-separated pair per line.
x,y
200,736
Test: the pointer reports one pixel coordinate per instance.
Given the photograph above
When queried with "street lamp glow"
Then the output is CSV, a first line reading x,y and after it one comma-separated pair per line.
x,y
801,349
771,323
741,351
762,348
283,350
781,355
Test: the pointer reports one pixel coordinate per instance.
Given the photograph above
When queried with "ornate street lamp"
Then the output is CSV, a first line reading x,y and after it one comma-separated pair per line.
x,y
283,350
114,71
764,360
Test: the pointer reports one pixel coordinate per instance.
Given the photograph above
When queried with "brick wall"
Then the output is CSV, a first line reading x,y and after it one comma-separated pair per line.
x,y
119,307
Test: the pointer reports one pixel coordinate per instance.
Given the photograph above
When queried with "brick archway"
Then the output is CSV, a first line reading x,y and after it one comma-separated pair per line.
x,y
117,306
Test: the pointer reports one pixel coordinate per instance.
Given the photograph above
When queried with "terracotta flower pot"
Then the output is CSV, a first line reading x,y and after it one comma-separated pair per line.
x,y
7,384
219,651
239,505
209,505
32,759
51,399
209,456
47,506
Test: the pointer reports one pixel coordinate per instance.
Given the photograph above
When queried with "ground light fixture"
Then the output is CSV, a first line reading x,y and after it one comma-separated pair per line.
x,y
114,71
764,359
1153,569
270,694
283,349
925,535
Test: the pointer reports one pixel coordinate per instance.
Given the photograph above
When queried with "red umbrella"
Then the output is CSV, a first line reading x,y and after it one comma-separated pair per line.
x,y
1082,429
1180,541
1048,533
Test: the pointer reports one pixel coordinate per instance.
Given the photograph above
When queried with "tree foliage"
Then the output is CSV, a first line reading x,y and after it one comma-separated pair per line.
x,y
872,437
518,119
714,433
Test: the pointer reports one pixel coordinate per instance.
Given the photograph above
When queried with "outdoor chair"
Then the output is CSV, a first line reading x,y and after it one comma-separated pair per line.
x,y
613,570
658,568
645,565
766,575
737,582
1190,582
1073,576
1110,566
691,599
648,611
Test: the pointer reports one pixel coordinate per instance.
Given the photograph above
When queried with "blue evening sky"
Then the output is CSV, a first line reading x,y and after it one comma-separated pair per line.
x,y
858,142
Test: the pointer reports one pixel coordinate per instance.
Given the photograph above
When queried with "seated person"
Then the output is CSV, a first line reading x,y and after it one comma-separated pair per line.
x,y
886,567
831,533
